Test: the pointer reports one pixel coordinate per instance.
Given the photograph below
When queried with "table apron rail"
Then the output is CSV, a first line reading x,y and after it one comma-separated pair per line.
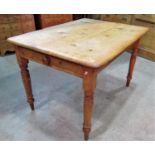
x,y
56,63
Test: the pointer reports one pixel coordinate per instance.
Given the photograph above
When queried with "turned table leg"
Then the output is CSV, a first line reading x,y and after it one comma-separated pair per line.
x,y
132,62
89,84
23,64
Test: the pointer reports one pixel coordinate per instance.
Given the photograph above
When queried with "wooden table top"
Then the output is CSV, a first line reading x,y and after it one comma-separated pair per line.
x,y
88,42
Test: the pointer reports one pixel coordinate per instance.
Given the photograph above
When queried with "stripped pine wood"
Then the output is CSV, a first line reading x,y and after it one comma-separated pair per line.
x,y
87,42
82,48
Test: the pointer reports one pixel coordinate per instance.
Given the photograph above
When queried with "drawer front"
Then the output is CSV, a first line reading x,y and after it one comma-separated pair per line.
x,y
148,40
4,31
117,18
4,19
146,17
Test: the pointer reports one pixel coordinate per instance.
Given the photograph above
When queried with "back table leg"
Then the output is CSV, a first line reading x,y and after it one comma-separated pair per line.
x,y
132,62
23,64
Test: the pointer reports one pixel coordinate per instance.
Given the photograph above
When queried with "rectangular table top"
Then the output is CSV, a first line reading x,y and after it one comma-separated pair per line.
x,y
86,41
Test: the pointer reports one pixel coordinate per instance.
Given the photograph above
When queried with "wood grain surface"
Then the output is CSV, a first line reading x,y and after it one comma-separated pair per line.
x,y
87,42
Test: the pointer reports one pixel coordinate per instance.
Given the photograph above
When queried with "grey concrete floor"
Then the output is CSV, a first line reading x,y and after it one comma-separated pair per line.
x,y
119,113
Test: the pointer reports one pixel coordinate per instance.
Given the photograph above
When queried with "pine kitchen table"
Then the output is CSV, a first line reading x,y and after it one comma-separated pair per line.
x,y
82,48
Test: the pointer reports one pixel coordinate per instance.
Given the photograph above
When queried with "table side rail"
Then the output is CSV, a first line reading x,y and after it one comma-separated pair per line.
x,y
56,63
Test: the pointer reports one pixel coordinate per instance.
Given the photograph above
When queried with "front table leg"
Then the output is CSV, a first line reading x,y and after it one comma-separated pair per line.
x,y
23,64
132,62
89,84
